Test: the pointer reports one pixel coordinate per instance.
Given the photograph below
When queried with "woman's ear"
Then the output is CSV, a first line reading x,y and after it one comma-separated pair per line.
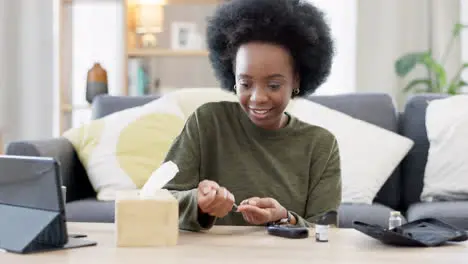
x,y
297,81
296,85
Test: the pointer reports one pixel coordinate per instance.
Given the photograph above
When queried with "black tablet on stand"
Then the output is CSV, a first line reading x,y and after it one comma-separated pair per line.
x,y
32,209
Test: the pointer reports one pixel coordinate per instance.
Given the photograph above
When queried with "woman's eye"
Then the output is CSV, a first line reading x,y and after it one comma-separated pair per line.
x,y
244,85
275,86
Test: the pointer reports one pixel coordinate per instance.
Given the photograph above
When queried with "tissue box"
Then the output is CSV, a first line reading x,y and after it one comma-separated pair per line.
x,y
146,221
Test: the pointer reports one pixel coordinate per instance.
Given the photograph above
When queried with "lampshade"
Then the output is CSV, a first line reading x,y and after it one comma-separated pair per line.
x,y
150,16
152,2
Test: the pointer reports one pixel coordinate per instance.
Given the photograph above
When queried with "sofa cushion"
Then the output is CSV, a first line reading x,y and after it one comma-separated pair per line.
x,y
90,210
368,153
413,126
375,214
377,109
453,212
104,104
445,177
122,150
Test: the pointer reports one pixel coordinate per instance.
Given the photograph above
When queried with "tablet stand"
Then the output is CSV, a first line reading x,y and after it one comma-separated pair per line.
x,y
27,230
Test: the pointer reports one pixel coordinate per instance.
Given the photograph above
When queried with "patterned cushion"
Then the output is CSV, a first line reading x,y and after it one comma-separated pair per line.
x,y
121,150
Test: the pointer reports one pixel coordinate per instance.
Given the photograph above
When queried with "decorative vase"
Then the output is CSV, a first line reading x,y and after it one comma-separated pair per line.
x,y
96,82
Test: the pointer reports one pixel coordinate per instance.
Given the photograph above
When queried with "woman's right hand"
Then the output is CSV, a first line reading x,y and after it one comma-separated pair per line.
x,y
214,200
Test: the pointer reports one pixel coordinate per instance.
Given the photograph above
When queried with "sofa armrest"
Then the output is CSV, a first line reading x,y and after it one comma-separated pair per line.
x,y
73,174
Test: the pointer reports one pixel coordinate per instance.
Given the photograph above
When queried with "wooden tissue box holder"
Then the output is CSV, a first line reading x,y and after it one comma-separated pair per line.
x,y
146,221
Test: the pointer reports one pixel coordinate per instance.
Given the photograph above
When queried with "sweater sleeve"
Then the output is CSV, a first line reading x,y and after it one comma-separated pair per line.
x,y
185,152
325,195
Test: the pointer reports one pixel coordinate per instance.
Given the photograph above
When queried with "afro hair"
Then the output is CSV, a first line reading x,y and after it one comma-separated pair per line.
x,y
295,25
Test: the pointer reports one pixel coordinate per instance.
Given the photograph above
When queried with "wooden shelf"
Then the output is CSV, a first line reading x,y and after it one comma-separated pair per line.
x,y
69,107
194,2
165,52
167,2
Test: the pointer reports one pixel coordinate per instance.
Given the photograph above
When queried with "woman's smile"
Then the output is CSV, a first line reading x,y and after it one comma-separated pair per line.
x,y
259,113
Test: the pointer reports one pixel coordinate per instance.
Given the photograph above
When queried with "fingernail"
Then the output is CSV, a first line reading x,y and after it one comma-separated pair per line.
x,y
252,202
206,190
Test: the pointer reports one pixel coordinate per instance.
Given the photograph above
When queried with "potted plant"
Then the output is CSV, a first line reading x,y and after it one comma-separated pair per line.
x,y
437,81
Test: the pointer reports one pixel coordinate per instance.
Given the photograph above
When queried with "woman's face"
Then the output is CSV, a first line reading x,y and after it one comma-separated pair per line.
x,y
265,81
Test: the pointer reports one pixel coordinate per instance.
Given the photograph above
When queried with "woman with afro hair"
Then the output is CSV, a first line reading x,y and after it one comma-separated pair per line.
x,y
250,162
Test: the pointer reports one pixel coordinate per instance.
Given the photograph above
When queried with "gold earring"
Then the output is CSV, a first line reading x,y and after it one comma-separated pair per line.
x,y
296,91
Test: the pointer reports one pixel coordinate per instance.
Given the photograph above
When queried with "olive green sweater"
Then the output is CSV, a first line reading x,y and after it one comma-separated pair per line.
x,y
297,165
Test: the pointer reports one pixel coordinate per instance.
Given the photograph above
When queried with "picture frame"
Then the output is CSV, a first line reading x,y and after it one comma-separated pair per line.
x,y
184,36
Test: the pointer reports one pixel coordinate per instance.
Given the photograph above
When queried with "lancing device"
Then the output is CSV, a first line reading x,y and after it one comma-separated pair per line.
x,y
288,231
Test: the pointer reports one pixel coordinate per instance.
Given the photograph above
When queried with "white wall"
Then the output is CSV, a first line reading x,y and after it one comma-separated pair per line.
x,y
446,14
2,64
97,37
342,16
8,62
388,29
27,89
464,37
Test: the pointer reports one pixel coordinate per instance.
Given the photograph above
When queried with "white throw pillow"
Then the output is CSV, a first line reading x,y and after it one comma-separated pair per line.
x,y
189,99
446,174
369,154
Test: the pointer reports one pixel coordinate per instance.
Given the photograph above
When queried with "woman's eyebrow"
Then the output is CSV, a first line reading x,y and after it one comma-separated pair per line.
x,y
242,75
276,75
271,76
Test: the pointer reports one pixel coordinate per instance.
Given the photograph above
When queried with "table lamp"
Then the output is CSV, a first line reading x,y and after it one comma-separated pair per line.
x,y
149,21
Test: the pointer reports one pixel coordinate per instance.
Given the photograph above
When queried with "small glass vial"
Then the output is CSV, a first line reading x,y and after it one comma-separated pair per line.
x,y
321,232
64,194
395,220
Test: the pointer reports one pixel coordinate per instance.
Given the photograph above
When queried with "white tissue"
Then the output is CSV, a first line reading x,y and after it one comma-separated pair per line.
x,y
159,178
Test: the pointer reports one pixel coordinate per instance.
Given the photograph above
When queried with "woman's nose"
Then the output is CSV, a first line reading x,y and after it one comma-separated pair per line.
x,y
258,96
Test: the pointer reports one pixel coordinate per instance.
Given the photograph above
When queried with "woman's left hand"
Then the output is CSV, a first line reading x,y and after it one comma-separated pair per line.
x,y
260,211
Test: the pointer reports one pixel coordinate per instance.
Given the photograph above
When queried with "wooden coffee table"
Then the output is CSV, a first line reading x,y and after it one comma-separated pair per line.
x,y
242,245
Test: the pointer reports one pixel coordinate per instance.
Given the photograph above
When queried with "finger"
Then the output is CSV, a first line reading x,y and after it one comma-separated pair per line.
x,y
266,203
221,196
247,217
206,200
226,207
254,219
250,219
250,201
206,186
251,209
258,219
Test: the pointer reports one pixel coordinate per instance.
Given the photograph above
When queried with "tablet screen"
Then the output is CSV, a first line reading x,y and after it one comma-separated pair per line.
x,y
31,182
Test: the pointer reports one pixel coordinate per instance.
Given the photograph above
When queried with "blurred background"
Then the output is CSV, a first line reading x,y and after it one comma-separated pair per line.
x,y
56,55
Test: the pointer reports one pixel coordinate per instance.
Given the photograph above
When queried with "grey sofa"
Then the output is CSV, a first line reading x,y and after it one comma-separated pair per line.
x,y
400,192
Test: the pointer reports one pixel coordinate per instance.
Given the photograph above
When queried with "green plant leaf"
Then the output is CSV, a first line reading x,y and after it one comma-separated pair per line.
x,y
413,85
456,87
438,70
462,83
407,62
455,84
457,28
463,67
